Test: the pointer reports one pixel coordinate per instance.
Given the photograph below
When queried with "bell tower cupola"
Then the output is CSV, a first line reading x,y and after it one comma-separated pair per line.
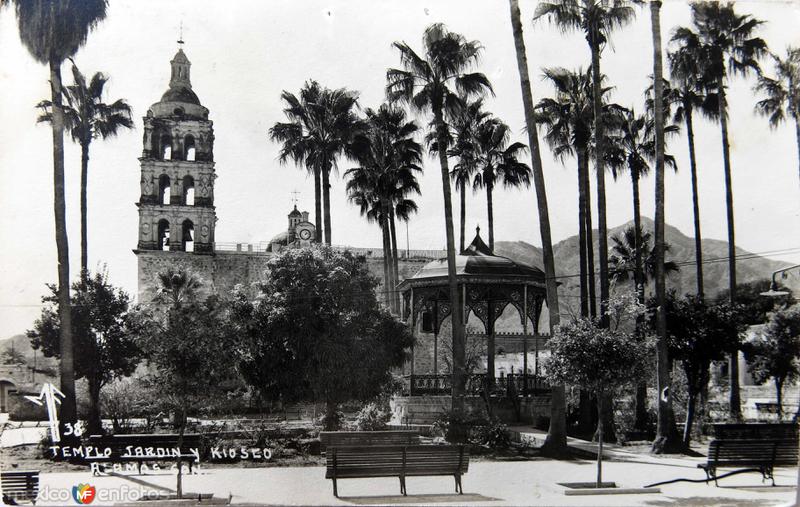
x,y
176,206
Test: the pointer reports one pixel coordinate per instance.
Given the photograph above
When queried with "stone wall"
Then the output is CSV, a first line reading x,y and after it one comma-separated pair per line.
x,y
426,409
220,272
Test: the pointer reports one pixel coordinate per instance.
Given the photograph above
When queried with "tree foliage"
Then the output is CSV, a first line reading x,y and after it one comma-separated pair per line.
x,y
774,353
752,307
316,331
104,344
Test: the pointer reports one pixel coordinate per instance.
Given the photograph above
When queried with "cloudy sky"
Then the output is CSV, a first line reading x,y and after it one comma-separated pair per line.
x,y
244,53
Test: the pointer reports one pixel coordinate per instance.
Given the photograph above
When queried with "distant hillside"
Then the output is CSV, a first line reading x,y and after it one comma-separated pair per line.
x,y
715,267
22,344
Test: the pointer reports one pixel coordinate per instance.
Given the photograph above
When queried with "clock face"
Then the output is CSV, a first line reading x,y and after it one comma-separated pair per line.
x,y
305,234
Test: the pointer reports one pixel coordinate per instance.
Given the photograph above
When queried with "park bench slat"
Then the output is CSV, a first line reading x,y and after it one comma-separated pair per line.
x,y
395,461
763,453
20,485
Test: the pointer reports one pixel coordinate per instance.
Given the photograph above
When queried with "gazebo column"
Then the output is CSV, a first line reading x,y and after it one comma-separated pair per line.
x,y
413,332
525,340
490,345
436,338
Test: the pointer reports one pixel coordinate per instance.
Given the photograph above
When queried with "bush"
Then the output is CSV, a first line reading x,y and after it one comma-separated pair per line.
x,y
493,435
372,418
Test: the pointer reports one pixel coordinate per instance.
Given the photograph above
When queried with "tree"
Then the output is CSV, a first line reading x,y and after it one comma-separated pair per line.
x,y
729,47
186,341
105,348
322,122
599,359
53,32
568,118
87,118
623,259
315,317
698,333
774,353
432,83
782,92
556,440
633,148
753,308
498,163
389,159
596,19
689,92
464,127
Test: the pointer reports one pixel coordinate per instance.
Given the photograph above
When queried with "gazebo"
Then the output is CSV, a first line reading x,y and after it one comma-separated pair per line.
x,y
487,283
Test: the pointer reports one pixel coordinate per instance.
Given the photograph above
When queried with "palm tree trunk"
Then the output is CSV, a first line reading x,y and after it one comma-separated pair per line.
x,y
601,182
582,237
589,238
95,424
318,204
638,278
395,274
490,214
387,256
68,413
459,377
600,398
463,213
179,463
735,411
698,240
666,433
556,440
779,393
84,207
326,199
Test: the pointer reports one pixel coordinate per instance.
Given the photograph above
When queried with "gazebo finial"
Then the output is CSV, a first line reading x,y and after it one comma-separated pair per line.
x,y
478,230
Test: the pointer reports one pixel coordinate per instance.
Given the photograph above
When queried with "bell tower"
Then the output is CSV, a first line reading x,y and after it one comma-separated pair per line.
x,y
176,206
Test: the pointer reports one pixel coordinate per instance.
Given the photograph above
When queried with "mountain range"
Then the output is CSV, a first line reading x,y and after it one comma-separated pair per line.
x,y
749,267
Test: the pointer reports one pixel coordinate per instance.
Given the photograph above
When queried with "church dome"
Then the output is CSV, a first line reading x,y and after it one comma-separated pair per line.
x,y
180,94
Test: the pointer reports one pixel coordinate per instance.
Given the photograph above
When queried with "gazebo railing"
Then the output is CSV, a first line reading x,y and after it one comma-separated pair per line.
x,y
429,384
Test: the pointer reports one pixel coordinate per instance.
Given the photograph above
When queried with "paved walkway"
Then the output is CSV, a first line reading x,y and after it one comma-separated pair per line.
x,y
487,483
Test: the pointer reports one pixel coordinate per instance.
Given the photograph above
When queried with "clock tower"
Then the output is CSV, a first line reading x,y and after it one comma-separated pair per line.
x,y
176,206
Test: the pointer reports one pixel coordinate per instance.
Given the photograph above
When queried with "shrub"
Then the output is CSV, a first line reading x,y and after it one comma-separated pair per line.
x,y
372,418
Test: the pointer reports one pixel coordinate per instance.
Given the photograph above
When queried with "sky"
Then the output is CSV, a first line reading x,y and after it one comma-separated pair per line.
x,y
244,53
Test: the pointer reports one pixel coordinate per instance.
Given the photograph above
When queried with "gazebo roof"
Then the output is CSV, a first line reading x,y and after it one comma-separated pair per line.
x,y
478,262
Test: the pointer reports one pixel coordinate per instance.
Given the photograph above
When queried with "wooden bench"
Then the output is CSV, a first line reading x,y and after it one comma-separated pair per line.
x,y
22,485
755,454
368,438
396,461
141,448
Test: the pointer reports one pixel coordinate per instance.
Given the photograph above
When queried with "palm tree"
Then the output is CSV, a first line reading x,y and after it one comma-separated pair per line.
x,y
431,83
727,44
53,32
596,19
556,440
498,163
623,258
689,93
389,159
782,92
568,118
464,127
633,148
321,125
87,118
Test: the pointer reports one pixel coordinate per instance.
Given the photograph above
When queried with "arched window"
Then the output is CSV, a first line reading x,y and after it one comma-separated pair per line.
x,y
188,190
188,236
163,234
163,189
166,148
189,148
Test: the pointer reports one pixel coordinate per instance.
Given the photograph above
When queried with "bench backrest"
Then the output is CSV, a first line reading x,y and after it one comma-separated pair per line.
x,y
368,438
753,451
393,461
737,431
20,484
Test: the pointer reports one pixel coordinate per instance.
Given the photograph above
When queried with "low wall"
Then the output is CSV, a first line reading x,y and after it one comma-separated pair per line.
x,y
426,409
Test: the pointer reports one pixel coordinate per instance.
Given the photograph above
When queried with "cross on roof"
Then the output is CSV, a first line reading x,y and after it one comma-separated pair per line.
x,y
180,37
294,193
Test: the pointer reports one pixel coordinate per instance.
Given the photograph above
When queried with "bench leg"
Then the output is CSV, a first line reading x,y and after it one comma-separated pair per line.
x,y
335,490
459,488
403,486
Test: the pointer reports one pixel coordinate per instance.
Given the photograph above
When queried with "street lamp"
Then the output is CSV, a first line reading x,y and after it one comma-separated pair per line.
x,y
773,288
